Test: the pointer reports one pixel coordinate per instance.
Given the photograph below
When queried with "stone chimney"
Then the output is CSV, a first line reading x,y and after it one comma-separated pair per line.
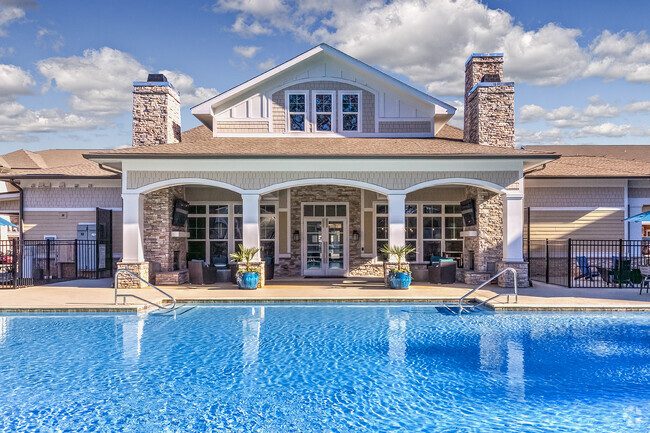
x,y
489,102
156,112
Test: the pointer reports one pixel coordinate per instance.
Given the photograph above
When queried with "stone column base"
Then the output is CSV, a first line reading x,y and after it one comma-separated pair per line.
x,y
126,281
506,279
259,265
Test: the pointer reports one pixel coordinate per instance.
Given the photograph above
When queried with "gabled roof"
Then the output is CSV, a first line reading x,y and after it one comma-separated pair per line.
x,y
204,107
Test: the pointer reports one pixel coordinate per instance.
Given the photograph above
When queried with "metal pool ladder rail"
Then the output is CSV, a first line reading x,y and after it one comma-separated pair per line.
x,y
124,296
465,307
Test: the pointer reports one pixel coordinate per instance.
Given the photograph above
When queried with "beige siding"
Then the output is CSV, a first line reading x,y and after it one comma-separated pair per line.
x,y
12,205
575,197
64,225
402,127
595,224
206,193
448,194
57,198
242,127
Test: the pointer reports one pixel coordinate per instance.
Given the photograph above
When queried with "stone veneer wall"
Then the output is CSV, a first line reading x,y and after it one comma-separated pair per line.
x,y
490,116
488,244
159,245
367,103
359,266
156,115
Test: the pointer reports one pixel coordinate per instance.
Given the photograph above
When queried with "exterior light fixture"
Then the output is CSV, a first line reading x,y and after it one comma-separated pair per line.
x,y
296,236
355,235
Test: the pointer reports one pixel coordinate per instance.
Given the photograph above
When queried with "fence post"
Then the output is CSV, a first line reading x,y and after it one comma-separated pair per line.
x,y
76,259
547,260
14,261
569,263
47,256
620,263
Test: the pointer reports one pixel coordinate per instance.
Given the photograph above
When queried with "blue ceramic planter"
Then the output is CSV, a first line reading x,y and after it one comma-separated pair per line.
x,y
400,280
248,280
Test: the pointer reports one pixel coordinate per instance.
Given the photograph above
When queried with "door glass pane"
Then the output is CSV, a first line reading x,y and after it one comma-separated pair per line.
x,y
341,210
239,228
308,210
319,210
330,210
267,228
382,228
268,249
266,209
314,246
335,245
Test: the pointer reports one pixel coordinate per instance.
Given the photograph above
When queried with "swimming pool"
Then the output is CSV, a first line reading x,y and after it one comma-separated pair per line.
x,y
324,367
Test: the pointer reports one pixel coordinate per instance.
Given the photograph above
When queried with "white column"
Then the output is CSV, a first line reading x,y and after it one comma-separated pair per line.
x,y
396,220
513,227
251,219
132,228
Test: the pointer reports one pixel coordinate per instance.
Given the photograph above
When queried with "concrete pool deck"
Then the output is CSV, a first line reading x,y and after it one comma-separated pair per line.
x,y
98,296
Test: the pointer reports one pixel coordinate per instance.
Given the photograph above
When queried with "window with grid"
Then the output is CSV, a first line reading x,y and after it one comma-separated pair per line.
x,y
323,109
350,109
267,230
411,229
297,111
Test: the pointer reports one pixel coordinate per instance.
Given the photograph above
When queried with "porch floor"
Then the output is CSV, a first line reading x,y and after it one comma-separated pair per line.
x,y
97,295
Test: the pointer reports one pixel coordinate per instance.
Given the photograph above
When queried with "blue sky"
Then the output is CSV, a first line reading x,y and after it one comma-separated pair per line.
x,y
582,68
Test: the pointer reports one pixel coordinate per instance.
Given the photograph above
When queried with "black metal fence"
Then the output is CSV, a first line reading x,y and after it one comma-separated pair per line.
x,y
589,263
26,263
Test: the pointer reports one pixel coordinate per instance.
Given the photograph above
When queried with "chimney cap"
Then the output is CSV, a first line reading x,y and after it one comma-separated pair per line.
x,y
157,78
483,55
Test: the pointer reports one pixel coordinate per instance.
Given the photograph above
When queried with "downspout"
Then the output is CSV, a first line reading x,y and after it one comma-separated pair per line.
x,y
21,210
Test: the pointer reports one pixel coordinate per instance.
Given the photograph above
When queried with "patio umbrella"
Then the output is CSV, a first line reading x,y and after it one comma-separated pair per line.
x,y
640,218
4,222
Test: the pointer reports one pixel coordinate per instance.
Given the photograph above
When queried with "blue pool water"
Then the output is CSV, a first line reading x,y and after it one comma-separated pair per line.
x,y
282,368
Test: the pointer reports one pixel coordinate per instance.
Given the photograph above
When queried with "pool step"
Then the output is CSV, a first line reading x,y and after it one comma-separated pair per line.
x,y
178,310
454,310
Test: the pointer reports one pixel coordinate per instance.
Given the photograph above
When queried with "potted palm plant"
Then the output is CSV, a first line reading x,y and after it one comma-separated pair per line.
x,y
399,278
249,277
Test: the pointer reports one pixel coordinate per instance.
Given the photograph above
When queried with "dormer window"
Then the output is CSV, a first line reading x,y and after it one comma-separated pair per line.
x,y
350,109
297,103
323,103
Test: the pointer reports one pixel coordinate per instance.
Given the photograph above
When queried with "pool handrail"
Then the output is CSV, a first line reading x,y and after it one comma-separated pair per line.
x,y
483,284
138,297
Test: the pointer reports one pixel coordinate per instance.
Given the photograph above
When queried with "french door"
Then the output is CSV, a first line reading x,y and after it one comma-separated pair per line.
x,y
325,246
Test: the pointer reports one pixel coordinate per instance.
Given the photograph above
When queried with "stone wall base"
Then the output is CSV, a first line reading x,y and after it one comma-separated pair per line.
x,y
126,281
173,277
506,279
473,278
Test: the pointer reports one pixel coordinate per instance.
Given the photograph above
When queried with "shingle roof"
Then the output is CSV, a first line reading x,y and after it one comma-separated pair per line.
x,y
52,163
596,161
200,142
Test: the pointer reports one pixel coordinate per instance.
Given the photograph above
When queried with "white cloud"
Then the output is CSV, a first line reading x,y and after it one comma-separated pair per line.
x,y
14,81
266,64
100,81
50,38
247,52
620,55
245,29
550,136
17,121
531,113
190,94
256,7
399,36
9,15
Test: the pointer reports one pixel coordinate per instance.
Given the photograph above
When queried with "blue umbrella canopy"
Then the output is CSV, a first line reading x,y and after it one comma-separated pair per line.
x,y
4,222
640,218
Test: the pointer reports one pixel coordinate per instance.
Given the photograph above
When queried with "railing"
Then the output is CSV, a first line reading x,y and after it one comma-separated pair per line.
x,y
124,296
461,309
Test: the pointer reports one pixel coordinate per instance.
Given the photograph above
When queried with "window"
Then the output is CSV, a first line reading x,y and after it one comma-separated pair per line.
x,y
297,109
433,229
350,109
267,230
323,103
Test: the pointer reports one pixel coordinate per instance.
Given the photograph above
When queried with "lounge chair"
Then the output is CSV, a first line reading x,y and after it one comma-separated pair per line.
x,y
621,273
645,274
585,270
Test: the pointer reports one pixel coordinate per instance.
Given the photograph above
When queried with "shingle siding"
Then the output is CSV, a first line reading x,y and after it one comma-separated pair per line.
x,y
575,197
53,197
